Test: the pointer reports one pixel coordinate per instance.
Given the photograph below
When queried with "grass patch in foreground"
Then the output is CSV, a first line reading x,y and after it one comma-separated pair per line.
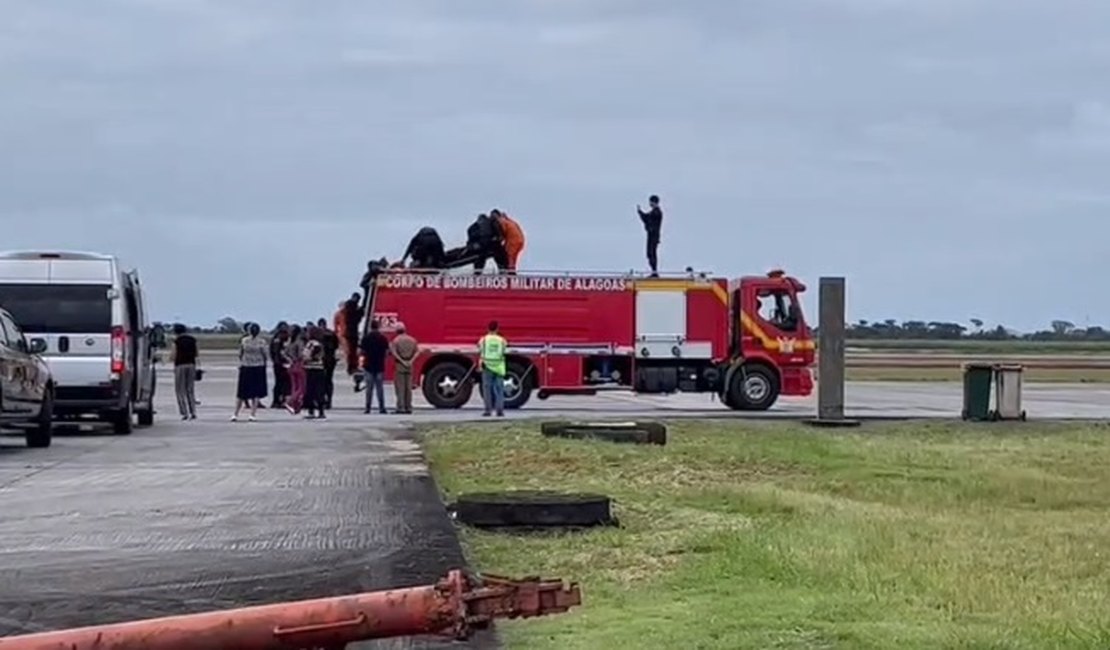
x,y
775,535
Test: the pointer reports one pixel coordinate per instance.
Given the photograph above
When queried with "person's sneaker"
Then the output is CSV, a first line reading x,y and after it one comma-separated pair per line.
x,y
366,411
310,417
252,419
486,414
184,417
500,415
290,409
322,417
235,418
382,412
193,416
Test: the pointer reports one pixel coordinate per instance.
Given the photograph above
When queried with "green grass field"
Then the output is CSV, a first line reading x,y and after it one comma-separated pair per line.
x,y
774,535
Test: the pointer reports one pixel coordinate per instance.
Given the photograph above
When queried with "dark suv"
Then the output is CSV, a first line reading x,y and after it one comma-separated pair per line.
x,y
26,387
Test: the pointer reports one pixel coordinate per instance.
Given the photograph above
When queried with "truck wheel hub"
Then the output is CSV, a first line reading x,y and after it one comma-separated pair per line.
x,y
755,388
512,386
448,386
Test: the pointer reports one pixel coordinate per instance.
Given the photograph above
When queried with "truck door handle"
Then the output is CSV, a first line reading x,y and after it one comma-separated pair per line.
x,y
63,344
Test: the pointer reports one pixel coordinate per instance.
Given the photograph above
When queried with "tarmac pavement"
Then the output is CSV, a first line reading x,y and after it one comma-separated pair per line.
x,y
207,514
863,400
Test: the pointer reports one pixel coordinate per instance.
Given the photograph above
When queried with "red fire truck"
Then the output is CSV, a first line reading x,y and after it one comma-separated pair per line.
x,y
571,334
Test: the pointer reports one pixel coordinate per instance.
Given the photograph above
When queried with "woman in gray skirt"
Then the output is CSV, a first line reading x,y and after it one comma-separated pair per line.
x,y
254,351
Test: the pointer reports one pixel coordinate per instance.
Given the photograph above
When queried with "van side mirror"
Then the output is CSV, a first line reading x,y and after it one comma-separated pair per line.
x,y
158,336
37,346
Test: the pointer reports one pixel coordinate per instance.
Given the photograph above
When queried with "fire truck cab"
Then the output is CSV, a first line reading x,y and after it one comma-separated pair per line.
x,y
746,340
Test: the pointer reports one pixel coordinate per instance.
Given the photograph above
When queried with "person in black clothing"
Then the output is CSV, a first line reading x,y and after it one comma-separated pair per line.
x,y
185,355
352,317
484,241
331,359
374,347
653,225
281,369
426,249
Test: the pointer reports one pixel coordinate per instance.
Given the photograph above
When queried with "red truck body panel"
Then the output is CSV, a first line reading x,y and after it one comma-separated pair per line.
x,y
568,327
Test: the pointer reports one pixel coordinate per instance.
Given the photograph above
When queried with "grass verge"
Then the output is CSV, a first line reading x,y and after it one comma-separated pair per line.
x,y
1031,374
774,535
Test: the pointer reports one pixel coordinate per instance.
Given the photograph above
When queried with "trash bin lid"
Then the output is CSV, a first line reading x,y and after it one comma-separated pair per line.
x,y
978,365
1012,367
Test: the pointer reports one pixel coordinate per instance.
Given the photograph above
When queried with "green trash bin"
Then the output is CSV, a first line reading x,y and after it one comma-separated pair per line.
x,y
978,378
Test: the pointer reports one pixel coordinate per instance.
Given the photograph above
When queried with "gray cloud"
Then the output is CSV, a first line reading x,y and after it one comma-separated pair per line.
x,y
948,157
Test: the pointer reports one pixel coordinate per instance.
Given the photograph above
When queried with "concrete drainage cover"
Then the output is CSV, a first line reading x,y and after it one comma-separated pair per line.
x,y
642,433
526,509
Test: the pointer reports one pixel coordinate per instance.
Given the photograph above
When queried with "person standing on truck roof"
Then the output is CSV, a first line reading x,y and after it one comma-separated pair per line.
x,y
253,354
185,354
330,340
512,236
404,349
653,226
374,347
491,357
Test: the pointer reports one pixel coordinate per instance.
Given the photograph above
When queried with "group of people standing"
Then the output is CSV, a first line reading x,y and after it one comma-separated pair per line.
x,y
303,360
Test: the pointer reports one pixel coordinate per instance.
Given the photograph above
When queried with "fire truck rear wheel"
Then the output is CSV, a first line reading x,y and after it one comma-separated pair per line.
x,y
444,386
753,388
518,384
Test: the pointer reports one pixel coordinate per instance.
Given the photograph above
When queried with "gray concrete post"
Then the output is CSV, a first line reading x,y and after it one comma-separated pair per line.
x,y
830,350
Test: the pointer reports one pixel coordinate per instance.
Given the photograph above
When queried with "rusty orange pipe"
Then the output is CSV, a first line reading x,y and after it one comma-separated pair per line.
x,y
448,607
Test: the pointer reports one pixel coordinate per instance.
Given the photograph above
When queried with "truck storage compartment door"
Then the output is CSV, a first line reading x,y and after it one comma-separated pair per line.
x,y
660,323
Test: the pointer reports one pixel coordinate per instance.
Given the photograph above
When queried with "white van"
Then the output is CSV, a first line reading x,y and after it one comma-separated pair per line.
x,y
92,316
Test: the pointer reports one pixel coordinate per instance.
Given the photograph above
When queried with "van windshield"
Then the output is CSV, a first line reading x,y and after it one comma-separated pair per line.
x,y
58,308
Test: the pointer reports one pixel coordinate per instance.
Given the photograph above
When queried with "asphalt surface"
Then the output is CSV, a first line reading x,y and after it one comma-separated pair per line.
x,y
863,400
195,516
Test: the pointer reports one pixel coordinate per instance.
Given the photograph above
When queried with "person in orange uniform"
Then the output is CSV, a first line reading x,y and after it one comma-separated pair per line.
x,y
513,236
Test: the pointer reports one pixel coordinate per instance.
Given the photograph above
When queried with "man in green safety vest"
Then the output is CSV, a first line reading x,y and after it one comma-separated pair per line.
x,y
491,351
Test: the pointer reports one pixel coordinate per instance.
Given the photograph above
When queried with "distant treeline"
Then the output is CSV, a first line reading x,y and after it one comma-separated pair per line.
x,y
917,330
886,330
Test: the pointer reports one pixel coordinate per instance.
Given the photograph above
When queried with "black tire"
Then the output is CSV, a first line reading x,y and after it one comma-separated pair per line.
x,y
123,421
753,387
146,417
519,383
447,386
640,433
530,509
41,432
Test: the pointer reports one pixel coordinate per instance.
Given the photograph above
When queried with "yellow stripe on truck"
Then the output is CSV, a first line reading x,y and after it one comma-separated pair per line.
x,y
682,285
773,344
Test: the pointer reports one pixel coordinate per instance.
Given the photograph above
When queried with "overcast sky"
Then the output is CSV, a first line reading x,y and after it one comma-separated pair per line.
x,y
949,157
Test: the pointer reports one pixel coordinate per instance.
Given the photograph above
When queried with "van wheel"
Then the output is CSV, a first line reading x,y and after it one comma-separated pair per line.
x,y
40,435
123,420
146,417
446,385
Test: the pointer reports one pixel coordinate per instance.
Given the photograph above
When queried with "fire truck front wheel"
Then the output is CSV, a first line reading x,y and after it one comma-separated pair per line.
x,y
446,385
753,387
